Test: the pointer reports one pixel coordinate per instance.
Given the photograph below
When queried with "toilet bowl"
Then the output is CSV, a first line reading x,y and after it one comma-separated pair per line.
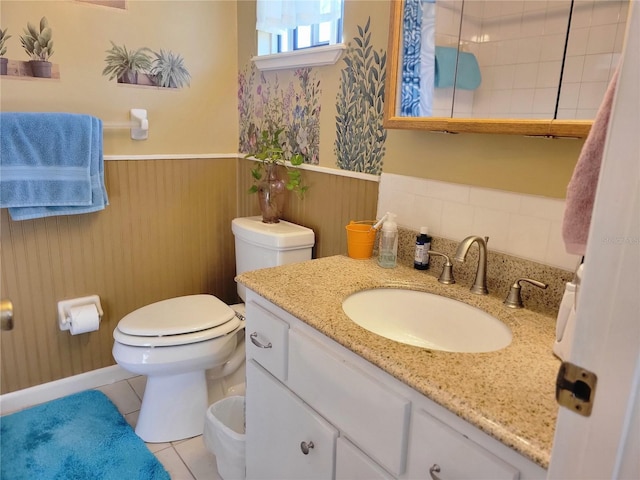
x,y
173,342
228,379
184,344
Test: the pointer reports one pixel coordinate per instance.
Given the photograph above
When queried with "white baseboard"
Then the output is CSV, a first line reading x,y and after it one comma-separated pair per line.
x,y
18,400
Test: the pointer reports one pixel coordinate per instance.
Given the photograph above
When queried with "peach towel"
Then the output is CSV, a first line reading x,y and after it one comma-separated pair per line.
x,y
581,190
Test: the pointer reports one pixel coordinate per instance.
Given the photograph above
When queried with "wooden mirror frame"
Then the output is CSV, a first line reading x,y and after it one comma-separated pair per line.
x,y
544,128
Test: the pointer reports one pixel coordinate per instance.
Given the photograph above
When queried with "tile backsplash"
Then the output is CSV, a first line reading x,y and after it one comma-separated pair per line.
x,y
520,225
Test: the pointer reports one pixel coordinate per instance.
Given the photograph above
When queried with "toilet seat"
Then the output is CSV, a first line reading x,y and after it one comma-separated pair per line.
x,y
180,339
177,321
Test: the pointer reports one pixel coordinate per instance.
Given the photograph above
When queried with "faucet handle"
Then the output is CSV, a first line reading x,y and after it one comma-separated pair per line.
x,y
446,276
514,299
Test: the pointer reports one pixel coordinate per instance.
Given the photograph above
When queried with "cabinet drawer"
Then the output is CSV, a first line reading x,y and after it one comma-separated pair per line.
x,y
433,443
278,422
369,413
352,464
267,339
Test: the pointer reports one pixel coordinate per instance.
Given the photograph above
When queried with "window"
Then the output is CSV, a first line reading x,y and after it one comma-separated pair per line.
x,y
287,26
305,36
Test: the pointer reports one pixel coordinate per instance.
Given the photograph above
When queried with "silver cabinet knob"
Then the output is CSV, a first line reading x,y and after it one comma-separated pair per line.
x,y
435,468
256,342
305,447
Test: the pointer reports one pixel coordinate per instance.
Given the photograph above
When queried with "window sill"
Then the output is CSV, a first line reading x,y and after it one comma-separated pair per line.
x,y
310,57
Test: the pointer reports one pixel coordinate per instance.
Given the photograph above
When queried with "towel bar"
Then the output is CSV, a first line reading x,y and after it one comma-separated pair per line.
x,y
138,124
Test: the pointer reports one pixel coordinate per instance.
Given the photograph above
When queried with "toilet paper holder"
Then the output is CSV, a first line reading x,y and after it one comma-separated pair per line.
x,y
64,307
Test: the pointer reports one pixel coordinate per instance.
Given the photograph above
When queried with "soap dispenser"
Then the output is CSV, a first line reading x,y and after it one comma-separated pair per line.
x,y
388,251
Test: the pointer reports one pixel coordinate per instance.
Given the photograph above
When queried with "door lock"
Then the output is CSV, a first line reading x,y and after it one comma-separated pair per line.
x,y
576,388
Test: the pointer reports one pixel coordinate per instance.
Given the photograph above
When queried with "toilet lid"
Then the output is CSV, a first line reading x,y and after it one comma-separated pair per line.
x,y
177,316
182,339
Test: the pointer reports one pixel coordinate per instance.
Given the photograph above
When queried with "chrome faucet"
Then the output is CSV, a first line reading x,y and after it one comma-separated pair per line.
x,y
479,286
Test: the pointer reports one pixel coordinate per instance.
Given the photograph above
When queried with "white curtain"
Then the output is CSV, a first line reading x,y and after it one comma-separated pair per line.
x,y
278,16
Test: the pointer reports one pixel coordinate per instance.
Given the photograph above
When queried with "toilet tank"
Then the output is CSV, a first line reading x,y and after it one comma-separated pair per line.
x,y
262,245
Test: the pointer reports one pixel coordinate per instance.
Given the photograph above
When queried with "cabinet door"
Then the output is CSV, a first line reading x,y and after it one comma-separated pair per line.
x,y
365,409
438,451
285,438
353,464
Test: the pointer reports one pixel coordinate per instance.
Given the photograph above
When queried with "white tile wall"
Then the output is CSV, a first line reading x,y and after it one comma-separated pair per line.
x,y
593,50
448,19
525,226
528,40
520,45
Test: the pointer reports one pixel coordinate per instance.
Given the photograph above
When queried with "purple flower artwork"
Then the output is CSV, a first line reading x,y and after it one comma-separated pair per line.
x,y
263,104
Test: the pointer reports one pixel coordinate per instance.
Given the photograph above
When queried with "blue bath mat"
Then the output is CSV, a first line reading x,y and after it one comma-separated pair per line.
x,y
79,437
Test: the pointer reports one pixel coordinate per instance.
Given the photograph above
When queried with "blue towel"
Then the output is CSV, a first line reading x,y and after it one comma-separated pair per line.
x,y
468,73
51,164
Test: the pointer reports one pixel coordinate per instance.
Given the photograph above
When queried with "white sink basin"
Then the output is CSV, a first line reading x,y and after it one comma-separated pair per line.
x,y
426,320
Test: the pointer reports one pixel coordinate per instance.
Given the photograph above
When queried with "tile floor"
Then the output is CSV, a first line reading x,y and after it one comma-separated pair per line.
x,y
184,460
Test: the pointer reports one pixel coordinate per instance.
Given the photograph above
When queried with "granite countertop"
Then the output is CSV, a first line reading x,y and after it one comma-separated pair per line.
x,y
509,394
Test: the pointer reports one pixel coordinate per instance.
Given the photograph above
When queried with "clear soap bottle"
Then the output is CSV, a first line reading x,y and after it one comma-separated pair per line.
x,y
388,249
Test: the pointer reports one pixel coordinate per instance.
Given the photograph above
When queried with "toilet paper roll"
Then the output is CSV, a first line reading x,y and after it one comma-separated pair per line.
x,y
84,318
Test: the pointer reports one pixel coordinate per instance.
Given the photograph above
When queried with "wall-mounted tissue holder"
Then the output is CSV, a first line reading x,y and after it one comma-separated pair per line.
x,y
80,315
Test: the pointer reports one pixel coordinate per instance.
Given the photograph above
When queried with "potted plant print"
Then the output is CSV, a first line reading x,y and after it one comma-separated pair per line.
x,y
124,65
39,46
3,49
168,70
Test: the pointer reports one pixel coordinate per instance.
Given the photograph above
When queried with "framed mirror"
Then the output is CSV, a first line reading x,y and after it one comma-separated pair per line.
x,y
510,67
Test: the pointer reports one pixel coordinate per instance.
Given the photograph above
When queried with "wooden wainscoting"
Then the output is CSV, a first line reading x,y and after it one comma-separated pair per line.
x,y
167,232
327,207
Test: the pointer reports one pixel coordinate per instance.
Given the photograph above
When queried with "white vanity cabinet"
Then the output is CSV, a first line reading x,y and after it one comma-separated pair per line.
x,y
352,463
314,409
441,452
288,440
364,409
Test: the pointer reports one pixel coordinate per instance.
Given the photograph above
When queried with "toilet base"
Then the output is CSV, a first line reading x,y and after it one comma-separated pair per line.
x,y
173,407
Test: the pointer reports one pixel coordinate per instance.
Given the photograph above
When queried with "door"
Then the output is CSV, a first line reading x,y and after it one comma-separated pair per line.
x,y
607,338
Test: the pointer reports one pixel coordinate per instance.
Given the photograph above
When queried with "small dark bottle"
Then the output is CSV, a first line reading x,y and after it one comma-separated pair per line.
x,y
423,245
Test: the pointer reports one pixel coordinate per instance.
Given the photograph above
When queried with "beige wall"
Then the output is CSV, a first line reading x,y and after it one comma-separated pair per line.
x,y
198,119
536,166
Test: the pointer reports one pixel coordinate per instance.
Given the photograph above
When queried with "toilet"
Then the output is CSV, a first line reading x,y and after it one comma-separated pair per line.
x,y
174,342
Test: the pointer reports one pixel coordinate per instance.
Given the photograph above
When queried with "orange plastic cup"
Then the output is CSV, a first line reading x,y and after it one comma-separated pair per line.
x,y
360,239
